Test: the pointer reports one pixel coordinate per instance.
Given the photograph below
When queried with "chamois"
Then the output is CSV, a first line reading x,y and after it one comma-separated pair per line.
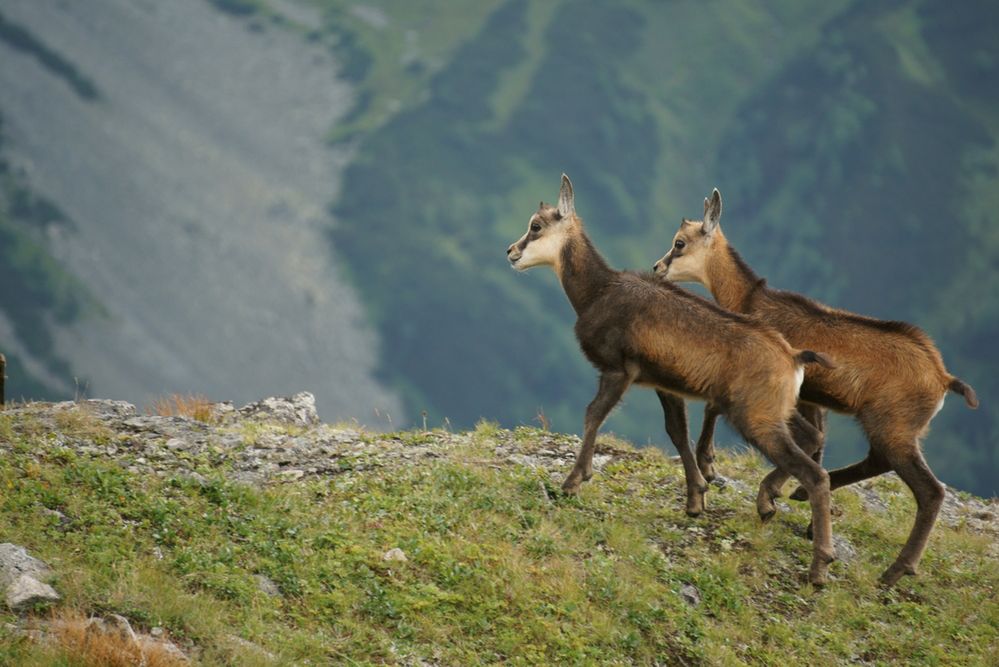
x,y
889,375
637,329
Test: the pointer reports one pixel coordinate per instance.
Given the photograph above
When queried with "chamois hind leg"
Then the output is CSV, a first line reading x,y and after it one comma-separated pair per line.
x,y
675,413
809,439
611,389
781,450
706,443
816,416
929,493
872,466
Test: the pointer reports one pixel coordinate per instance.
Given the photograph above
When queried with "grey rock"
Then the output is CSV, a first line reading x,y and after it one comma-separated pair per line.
x,y
26,591
148,642
15,561
299,409
845,551
61,519
396,554
175,444
690,594
871,499
267,586
112,624
109,409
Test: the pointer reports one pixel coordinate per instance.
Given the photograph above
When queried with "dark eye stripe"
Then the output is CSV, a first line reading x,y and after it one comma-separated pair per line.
x,y
535,227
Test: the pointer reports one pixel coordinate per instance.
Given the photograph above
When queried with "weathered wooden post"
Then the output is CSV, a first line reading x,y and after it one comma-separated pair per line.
x,y
3,376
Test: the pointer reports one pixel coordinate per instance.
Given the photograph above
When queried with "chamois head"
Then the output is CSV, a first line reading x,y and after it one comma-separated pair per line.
x,y
687,260
547,232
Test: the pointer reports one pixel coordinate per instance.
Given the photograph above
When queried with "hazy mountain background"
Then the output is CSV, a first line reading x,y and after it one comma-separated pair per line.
x,y
242,197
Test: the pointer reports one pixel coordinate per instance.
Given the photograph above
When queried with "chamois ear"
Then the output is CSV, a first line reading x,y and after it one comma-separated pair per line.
x,y
566,200
712,212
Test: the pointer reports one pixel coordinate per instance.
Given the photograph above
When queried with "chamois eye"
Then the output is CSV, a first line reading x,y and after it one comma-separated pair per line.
x,y
535,227
679,245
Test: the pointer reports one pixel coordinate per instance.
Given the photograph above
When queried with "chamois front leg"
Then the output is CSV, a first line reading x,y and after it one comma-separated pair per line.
x,y
706,443
675,413
612,388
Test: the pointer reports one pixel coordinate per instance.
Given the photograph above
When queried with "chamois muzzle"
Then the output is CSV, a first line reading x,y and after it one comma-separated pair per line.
x,y
513,254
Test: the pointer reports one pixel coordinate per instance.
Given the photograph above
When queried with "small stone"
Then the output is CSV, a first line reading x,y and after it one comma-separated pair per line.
x,y
267,586
119,625
291,474
250,647
157,631
690,594
106,409
61,518
174,444
26,591
395,554
845,551
148,643
299,409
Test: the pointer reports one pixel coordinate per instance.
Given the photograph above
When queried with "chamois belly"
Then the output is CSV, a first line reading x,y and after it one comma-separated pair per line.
x,y
667,381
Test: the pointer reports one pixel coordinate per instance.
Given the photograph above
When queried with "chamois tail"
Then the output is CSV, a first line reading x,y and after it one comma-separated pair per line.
x,y
809,357
959,387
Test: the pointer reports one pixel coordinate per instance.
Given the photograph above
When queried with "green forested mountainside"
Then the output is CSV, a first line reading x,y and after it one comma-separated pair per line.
x,y
854,143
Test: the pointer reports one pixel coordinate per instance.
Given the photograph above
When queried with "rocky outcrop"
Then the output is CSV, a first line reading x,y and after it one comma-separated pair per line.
x,y
23,577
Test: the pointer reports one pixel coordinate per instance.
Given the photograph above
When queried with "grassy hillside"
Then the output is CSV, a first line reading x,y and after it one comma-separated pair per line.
x,y
854,143
499,569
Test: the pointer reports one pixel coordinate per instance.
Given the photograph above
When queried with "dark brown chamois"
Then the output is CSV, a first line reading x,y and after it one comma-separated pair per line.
x,y
638,330
889,375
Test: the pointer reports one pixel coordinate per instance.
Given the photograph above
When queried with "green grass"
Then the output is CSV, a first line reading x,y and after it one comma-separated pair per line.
x,y
500,570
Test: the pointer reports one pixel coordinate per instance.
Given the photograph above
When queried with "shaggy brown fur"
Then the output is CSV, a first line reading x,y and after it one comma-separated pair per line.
x,y
889,375
636,330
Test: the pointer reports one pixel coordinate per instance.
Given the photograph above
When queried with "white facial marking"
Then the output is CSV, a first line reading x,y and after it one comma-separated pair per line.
x,y
799,377
543,251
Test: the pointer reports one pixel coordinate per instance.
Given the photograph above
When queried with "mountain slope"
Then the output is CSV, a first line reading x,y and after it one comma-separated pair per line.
x,y
196,180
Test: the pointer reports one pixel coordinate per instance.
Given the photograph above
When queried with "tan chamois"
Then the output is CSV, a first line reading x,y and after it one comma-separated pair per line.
x,y
889,375
637,329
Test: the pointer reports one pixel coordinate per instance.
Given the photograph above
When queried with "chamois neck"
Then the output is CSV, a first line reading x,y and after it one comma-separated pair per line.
x,y
582,271
730,280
